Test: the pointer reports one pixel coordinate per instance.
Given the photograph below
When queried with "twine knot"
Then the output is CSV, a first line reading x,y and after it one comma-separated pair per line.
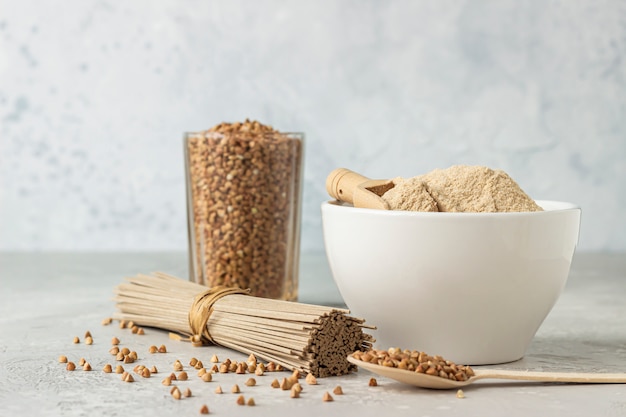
x,y
201,309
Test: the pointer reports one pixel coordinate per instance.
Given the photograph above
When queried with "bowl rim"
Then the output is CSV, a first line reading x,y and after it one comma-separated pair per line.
x,y
549,206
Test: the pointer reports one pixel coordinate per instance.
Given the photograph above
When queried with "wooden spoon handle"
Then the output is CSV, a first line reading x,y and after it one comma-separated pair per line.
x,y
341,184
579,377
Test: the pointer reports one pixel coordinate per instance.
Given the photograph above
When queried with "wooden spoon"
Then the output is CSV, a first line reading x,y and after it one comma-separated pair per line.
x,y
350,187
436,382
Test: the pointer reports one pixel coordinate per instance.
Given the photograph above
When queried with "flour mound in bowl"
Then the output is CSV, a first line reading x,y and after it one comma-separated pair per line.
x,y
460,188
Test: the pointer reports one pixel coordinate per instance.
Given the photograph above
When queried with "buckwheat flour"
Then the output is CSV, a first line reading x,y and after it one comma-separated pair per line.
x,y
460,188
411,195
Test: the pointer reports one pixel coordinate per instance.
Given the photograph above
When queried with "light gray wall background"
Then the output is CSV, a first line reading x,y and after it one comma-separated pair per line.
x,y
95,96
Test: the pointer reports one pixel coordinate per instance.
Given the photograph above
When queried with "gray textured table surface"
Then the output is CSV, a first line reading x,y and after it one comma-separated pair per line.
x,y
47,299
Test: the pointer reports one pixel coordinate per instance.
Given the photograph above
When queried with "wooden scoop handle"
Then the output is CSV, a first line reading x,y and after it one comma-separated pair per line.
x,y
341,184
545,376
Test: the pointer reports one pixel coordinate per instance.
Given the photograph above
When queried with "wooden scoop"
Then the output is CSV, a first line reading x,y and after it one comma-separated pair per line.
x,y
350,187
436,382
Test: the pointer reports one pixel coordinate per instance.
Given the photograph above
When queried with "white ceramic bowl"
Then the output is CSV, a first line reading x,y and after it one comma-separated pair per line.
x,y
472,287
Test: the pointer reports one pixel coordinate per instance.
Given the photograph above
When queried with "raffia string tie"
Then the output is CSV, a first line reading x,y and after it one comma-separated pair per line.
x,y
201,309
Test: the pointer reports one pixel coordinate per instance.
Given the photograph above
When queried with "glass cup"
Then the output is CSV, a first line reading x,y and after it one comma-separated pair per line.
x,y
244,192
